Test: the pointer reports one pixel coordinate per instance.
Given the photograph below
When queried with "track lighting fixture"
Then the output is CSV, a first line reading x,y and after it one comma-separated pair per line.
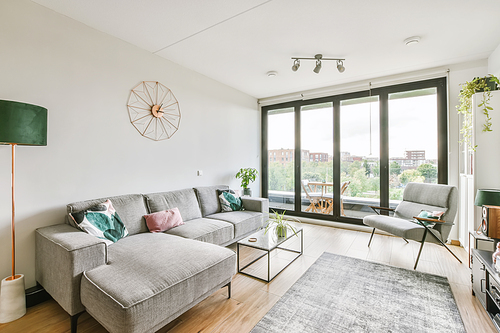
x,y
318,58
340,66
318,66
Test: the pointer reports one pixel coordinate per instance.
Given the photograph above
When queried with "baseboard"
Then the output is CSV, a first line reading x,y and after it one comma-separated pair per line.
x,y
36,295
455,242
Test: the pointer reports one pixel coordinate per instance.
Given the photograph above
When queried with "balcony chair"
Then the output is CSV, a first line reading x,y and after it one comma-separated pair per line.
x,y
328,197
406,224
315,198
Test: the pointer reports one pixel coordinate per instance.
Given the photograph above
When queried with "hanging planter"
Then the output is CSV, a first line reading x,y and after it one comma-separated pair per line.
x,y
479,84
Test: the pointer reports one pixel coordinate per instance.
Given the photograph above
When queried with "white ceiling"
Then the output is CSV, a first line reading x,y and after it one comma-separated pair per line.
x,y
237,42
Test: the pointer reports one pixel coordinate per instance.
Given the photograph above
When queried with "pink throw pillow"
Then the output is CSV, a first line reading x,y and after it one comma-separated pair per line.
x,y
164,220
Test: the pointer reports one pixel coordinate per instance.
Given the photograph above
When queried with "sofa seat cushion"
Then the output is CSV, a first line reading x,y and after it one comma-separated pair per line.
x,y
205,230
152,278
400,227
243,221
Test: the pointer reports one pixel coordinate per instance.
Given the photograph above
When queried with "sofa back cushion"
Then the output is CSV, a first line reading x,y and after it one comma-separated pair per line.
x,y
131,208
209,198
185,200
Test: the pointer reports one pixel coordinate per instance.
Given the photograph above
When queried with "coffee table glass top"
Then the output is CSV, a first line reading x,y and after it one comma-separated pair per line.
x,y
270,240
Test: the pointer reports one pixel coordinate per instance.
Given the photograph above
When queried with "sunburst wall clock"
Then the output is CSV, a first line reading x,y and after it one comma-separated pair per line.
x,y
154,110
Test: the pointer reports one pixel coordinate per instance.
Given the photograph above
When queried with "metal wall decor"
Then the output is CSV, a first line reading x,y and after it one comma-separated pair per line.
x,y
154,111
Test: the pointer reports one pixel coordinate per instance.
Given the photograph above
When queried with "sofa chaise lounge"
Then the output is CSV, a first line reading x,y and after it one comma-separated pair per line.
x,y
145,280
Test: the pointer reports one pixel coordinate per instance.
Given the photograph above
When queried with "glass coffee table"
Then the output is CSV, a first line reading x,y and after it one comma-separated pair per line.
x,y
268,242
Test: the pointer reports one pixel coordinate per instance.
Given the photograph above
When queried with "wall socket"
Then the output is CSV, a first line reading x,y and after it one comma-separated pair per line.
x,y
199,173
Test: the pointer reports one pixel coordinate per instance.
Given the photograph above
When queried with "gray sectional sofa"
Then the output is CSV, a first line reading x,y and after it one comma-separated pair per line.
x,y
145,280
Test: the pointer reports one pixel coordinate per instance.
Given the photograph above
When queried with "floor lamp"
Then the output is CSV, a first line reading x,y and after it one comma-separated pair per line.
x,y
20,124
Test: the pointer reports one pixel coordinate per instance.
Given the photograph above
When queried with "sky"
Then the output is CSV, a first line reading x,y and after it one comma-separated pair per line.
x,y
412,126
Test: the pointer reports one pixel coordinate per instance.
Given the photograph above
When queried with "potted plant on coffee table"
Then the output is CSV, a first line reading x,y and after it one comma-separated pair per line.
x,y
247,176
281,224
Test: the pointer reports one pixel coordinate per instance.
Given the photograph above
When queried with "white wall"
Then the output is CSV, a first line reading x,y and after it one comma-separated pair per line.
x,y
84,78
494,62
459,74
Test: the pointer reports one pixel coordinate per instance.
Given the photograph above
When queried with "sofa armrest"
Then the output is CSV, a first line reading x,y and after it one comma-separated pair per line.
x,y
260,205
63,253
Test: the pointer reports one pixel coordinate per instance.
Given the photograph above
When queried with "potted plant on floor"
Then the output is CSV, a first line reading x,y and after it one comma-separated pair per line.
x,y
247,176
479,84
282,224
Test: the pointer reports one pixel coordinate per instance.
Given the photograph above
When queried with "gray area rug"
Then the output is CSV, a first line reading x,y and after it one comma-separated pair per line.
x,y
343,294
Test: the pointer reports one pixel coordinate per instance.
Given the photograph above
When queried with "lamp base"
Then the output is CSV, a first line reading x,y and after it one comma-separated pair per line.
x,y
12,299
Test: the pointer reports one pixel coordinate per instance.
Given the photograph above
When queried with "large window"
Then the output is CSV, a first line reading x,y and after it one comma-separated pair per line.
x,y
333,157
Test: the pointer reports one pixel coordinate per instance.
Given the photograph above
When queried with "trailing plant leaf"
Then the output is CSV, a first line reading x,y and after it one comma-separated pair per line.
x,y
465,106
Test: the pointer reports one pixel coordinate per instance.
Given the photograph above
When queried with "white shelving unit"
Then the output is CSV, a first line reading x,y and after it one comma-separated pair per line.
x,y
479,169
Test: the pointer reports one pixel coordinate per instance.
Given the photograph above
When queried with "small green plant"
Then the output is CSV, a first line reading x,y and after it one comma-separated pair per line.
x,y
282,224
484,85
247,176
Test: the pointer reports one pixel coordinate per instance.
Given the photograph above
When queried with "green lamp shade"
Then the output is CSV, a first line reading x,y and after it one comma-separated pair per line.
x,y
487,197
23,124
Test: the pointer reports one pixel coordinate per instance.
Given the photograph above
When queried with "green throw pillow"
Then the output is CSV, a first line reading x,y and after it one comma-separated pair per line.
x,y
101,221
430,215
229,202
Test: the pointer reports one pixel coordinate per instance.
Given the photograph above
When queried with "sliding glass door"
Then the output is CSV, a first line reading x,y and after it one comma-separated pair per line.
x,y
413,139
359,156
316,176
281,145
332,158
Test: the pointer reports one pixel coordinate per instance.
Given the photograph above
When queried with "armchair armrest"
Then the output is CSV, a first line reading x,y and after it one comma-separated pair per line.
x,y
374,208
441,222
63,253
260,205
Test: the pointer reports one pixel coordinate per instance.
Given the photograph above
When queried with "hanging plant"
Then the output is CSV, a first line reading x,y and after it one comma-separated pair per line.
x,y
485,85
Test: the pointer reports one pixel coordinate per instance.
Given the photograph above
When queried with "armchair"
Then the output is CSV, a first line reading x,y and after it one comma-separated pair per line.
x,y
406,223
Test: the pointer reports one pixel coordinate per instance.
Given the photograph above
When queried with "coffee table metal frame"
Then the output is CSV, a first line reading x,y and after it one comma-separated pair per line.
x,y
271,245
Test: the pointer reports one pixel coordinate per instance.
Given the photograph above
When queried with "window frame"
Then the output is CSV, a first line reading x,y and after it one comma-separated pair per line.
x,y
383,92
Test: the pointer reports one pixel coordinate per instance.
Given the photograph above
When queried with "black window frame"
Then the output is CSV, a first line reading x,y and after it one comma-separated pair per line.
x,y
383,92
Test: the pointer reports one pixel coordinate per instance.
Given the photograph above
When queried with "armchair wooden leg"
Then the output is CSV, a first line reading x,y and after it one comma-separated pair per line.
x,y
373,231
421,247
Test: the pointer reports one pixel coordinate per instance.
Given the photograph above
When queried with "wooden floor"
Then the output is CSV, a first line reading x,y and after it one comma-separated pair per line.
x,y
251,298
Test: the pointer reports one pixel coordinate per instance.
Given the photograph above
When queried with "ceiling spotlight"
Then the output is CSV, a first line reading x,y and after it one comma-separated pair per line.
x,y
318,58
318,66
340,66
412,40
272,74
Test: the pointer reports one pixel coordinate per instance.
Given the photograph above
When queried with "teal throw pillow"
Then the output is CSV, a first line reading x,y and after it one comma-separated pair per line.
x,y
430,215
230,202
101,221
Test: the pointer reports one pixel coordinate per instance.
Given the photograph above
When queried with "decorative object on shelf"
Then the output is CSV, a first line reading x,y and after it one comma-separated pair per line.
x,y
485,85
20,124
247,176
495,255
318,58
489,200
281,224
154,111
